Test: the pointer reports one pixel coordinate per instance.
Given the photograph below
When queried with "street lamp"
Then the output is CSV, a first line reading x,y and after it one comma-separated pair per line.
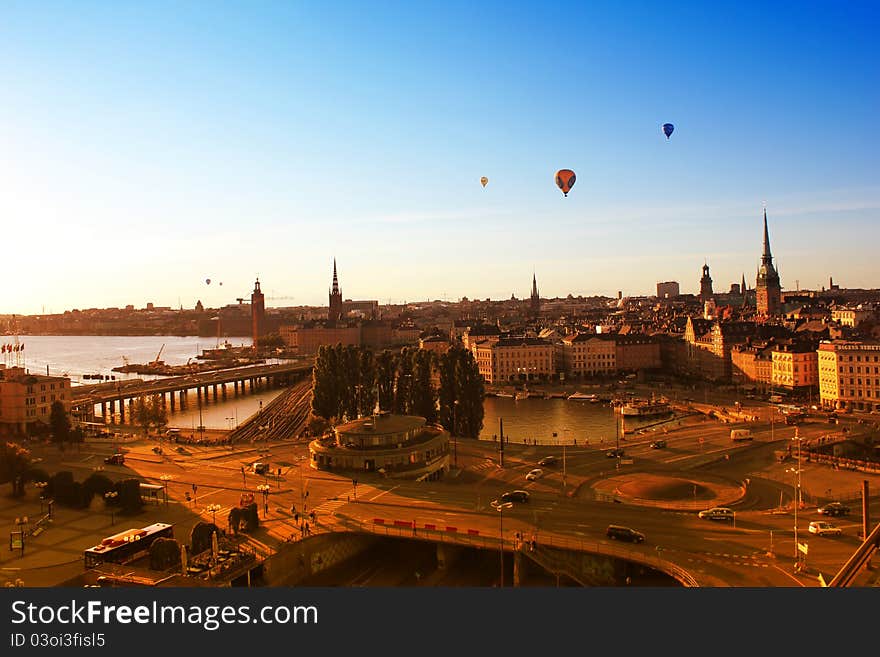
x,y
797,502
454,438
264,489
109,499
42,486
500,507
165,479
213,509
565,440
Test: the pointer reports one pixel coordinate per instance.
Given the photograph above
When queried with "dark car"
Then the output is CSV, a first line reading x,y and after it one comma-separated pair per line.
x,y
116,459
547,460
515,496
834,509
614,452
620,533
658,444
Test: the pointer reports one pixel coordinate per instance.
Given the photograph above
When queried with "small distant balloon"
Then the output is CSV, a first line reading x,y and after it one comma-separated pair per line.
x,y
484,181
667,129
565,180
207,281
221,282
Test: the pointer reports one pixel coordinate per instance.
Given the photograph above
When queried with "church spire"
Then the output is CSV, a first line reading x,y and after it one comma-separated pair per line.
x,y
335,289
767,258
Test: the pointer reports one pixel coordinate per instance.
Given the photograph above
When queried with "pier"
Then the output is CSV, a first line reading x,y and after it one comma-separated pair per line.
x,y
116,399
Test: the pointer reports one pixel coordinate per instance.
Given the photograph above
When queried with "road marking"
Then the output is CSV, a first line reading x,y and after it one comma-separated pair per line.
x,y
384,492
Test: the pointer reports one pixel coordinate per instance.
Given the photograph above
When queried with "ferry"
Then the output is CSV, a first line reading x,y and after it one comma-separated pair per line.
x,y
580,396
645,408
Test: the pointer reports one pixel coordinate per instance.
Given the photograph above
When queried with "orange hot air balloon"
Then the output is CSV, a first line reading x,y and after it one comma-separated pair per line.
x,y
565,180
484,181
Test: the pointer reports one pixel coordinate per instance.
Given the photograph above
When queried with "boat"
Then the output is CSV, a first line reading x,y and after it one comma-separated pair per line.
x,y
521,395
645,408
504,394
580,396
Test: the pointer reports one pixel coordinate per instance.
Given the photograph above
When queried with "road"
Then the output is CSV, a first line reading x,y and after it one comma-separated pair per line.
x,y
757,549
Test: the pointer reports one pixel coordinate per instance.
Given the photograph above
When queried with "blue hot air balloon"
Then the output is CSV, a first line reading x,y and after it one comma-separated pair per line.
x,y
667,129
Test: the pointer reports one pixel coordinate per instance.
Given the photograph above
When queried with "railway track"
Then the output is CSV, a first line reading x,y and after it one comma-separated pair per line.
x,y
284,418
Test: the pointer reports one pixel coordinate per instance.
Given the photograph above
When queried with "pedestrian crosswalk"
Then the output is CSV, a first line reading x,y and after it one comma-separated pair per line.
x,y
485,465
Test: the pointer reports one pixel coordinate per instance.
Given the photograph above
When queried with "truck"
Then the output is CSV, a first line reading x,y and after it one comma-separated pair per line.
x,y
740,434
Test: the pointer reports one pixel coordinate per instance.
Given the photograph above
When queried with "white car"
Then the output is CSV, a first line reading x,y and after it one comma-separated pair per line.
x,y
717,513
823,528
537,473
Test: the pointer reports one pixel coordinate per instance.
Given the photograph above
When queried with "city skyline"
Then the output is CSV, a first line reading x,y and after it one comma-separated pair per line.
x,y
150,148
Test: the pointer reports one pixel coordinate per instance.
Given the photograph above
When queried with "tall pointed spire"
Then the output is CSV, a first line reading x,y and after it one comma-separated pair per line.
x,y
767,258
743,287
335,289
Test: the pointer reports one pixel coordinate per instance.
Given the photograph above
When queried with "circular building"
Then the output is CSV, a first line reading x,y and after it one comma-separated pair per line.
x,y
398,446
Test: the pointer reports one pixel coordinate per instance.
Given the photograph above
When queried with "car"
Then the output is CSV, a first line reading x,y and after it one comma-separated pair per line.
x,y
535,474
834,509
116,459
261,468
515,496
621,533
614,452
822,528
547,460
716,513
658,444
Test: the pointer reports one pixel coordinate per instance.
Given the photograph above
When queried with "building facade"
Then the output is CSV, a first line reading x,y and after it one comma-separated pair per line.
x,y
396,446
26,399
589,354
668,290
849,375
795,368
515,359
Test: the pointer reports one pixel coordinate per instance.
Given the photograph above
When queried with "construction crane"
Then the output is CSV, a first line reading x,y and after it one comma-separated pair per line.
x,y
156,361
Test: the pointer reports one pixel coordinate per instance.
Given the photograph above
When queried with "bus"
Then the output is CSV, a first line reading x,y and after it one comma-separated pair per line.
x,y
127,546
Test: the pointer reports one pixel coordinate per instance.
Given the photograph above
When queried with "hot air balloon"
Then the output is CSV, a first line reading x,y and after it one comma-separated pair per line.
x,y
484,181
207,281
667,129
565,180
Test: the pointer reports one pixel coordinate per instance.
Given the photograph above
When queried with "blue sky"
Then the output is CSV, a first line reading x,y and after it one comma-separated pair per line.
x,y
146,147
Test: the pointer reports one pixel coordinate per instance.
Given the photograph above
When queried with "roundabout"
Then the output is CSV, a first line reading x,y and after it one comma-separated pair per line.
x,y
673,492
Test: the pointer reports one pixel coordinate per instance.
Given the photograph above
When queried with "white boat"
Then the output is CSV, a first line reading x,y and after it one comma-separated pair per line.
x,y
645,408
583,397
521,395
504,394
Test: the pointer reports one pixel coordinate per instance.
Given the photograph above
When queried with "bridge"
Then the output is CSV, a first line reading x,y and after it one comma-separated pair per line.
x,y
112,397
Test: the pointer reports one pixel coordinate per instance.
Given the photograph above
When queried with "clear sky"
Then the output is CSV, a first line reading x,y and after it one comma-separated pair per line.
x,y
145,147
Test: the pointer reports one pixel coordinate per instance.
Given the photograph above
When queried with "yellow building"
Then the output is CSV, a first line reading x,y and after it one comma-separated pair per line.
x,y
795,367
849,375
26,399
589,354
515,359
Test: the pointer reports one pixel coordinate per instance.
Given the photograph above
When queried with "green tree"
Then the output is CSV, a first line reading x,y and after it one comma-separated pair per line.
x,y
164,554
367,382
59,424
325,399
129,495
15,461
462,392
385,375
403,385
200,537
423,395
97,484
271,341
149,412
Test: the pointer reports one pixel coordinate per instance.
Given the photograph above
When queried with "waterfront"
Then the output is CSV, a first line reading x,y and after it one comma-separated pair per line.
x,y
538,419
76,355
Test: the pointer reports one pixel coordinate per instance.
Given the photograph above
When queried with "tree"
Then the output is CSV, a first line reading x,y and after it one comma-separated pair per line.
x,y
270,341
423,395
200,537
14,463
149,412
325,398
59,423
462,392
97,484
164,554
129,495
385,374
234,519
